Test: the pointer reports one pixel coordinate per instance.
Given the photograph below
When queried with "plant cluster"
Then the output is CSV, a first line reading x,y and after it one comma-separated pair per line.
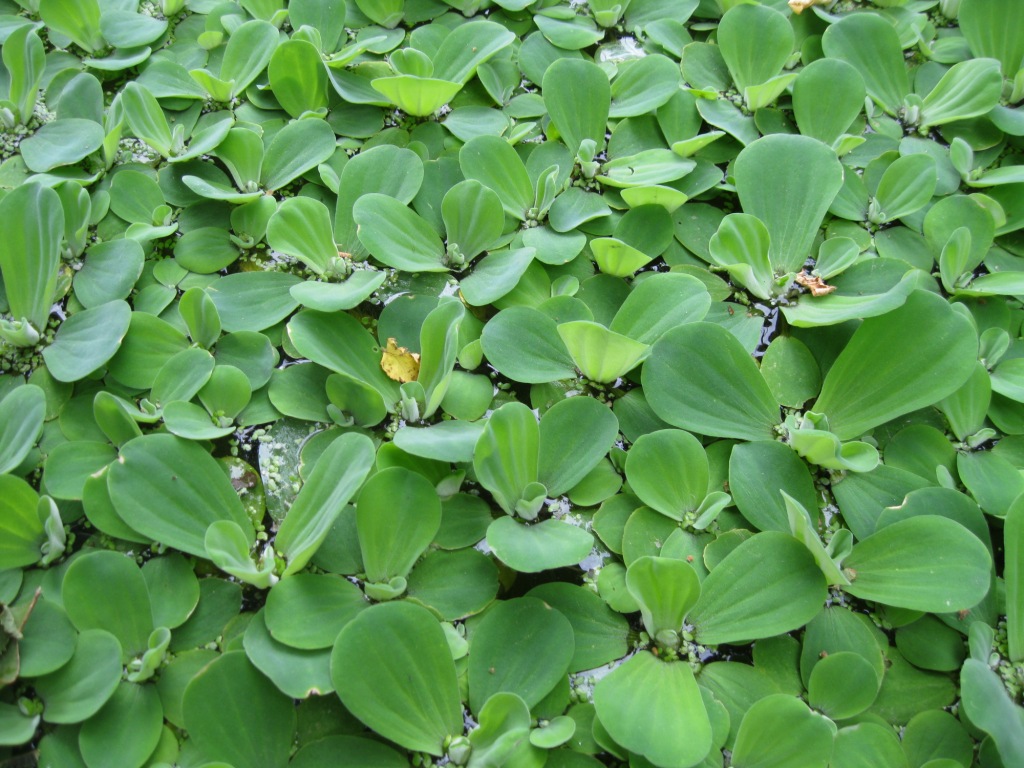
x,y
511,383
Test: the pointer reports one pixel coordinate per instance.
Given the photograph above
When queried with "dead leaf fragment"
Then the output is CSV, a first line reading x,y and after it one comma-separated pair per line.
x,y
399,363
814,284
799,6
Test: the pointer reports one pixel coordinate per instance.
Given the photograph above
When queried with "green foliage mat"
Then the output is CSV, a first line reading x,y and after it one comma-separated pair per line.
x,y
565,383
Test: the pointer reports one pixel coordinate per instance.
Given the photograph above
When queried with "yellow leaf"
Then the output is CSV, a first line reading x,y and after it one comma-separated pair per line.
x,y
399,363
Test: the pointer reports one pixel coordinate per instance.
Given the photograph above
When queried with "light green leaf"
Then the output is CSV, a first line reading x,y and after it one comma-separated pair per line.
x,y
600,354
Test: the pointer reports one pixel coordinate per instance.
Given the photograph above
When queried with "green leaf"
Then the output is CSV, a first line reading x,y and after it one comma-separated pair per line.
x,y
906,186
617,258
336,476
200,316
968,89
757,472
79,21
78,690
31,229
989,707
397,236
575,434
524,345
146,118
665,589
307,611
506,455
87,340
473,217
327,17
870,43
521,646
236,715
296,673
495,275
659,303
993,29
768,585
398,513
331,297
347,752
600,633
171,490
742,246
493,162
578,98
297,148
172,578
340,342
17,727
540,546
23,531
828,95
62,142
249,50
654,708
419,96
126,29
926,563
791,371
253,301
394,171
788,182
896,363
392,669
756,42
439,347
125,611
452,441
468,46
1013,574
228,549
698,377
454,584
126,731
668,453
842,685
109,272
643,85
25,59
779,731
652,166
22,413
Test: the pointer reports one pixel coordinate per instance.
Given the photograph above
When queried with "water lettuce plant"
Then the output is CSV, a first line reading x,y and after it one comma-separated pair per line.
x,y
511,383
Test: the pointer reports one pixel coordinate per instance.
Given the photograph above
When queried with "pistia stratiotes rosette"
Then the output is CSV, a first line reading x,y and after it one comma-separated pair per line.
x,y
518,383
